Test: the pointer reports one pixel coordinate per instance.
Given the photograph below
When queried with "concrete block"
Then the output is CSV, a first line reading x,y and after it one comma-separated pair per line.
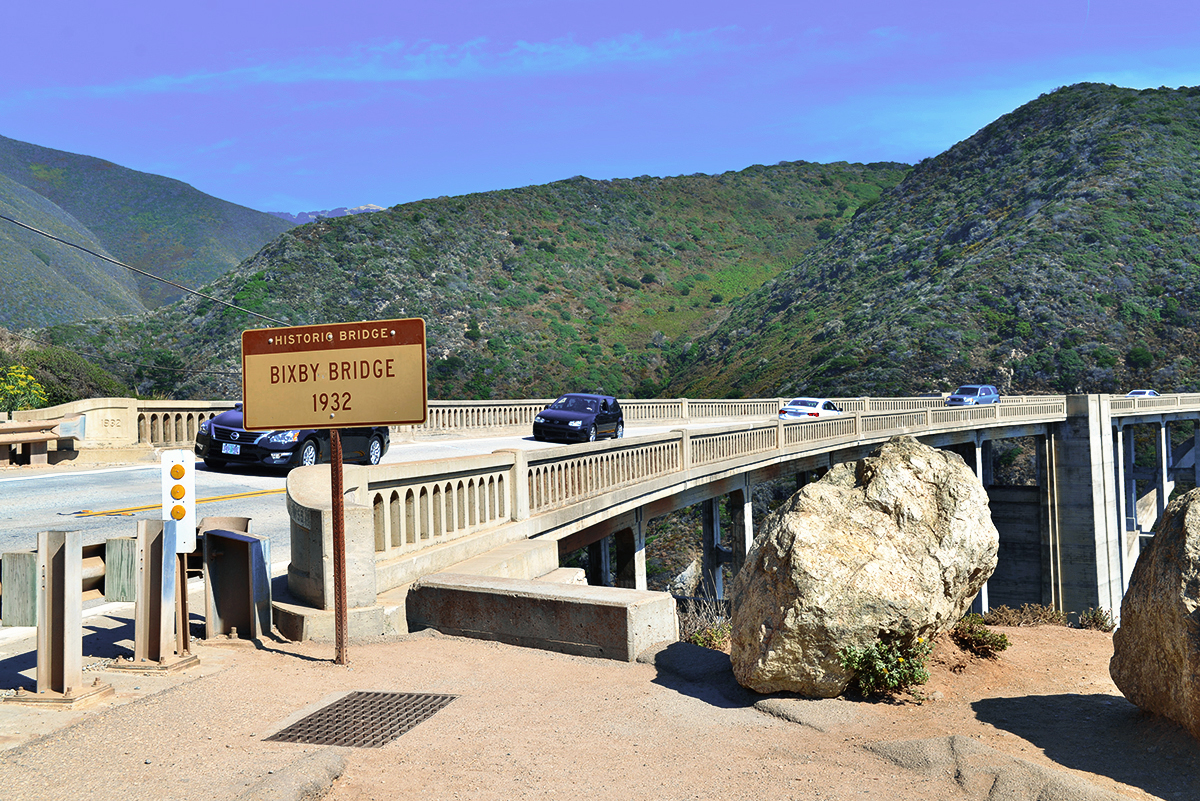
x,y
565,575
521,559
606,622
299,623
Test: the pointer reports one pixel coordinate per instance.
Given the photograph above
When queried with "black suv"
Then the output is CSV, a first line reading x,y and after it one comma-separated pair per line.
x,y
222,441
581,417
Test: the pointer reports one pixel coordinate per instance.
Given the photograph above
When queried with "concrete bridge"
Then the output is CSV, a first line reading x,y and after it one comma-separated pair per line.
x,y
510,516
1069,542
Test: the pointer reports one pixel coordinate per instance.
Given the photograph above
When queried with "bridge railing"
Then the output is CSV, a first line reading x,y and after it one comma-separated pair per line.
x,y
418,505
1154,404
564,476
129,422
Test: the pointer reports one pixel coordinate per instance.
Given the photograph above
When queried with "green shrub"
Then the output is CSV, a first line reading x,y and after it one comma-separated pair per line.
x,y
1140,357
886,668
1096,618
972,635
1104,357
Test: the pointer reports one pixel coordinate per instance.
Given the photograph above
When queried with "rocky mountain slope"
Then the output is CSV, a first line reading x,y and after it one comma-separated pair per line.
x,y
1058,249
526,292
45,281
157,224
312,216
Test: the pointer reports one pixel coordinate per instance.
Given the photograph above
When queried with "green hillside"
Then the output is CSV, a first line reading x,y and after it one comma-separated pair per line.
x,y
1058,249
156,224
526,292
44,281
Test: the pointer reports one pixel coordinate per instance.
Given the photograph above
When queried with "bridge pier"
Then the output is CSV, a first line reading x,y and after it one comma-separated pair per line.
x,y
630,565
715,555
599,568
1083,546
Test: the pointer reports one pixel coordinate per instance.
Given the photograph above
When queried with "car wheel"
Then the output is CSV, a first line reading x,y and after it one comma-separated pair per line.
x,y
375,450
620,432
309,453
214,464
592,434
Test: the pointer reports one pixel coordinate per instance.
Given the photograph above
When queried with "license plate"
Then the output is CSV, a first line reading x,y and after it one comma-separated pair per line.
x,y
231,448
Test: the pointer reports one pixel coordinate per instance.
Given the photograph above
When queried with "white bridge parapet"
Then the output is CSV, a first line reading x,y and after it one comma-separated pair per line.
x,y
426,516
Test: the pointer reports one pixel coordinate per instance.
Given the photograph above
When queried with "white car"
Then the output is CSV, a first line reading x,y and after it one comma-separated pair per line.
x,y
805,408
1141,393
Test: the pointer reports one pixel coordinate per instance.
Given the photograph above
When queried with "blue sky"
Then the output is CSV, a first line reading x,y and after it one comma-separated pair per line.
x,y
302,105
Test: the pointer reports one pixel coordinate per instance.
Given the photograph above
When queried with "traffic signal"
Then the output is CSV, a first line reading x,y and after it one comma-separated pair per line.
x,y
179,496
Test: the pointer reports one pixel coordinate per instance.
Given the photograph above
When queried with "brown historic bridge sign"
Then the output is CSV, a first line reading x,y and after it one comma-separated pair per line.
x,y
338,375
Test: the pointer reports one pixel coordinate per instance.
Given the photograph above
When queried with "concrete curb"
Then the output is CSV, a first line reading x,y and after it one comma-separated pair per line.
x,y
307,779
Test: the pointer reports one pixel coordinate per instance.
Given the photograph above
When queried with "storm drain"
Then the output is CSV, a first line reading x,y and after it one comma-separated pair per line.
x,y
363,719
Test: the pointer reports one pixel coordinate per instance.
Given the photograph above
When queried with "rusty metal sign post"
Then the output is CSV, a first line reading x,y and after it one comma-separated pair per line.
x,y
339,551
339,375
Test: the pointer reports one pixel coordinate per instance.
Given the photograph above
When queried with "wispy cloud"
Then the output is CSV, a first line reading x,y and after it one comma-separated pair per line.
x,y
424,61
215,146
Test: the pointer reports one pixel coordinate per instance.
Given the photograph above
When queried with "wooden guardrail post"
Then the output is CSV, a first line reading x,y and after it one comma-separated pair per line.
x,y
159,639
59,609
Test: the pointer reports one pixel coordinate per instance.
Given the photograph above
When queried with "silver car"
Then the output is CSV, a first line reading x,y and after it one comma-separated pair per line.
x,y
806,408
973,395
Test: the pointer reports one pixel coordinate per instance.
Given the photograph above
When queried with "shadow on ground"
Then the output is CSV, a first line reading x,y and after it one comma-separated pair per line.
x,y
1104,735
99,642
701,673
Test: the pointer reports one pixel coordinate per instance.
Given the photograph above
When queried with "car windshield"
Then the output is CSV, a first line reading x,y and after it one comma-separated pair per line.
x,y
967,391
574,403
804,402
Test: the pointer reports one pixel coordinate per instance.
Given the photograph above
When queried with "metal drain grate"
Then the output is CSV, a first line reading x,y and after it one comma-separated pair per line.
x,y
363,719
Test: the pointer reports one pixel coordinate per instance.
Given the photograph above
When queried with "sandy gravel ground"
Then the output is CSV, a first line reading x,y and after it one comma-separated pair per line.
x,y
533,724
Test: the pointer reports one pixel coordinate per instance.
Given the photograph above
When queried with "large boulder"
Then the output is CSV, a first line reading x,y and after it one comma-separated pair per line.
x,y
892,547
1156,651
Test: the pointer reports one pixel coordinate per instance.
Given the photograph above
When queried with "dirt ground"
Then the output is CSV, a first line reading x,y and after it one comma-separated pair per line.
x,y
535,724
639,733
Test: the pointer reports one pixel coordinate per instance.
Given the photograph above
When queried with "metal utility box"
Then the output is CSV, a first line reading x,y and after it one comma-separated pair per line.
x,y
237,585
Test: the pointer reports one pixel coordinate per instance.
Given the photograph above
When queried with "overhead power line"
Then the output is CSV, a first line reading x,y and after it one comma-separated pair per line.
x,y
141,272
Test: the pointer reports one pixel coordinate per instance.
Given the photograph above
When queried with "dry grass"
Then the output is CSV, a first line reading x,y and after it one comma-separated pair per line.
x,y
1027,615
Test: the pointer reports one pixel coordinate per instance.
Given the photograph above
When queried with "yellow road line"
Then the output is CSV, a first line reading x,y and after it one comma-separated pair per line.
x,y
132,509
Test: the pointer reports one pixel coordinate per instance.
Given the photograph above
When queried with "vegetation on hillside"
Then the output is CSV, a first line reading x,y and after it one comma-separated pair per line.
x,y
1055,250
1058,249
61,375
45,281
156,224
579,284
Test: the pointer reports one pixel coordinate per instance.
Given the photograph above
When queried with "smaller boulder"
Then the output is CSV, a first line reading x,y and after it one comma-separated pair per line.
x,y
894,546
1156,651
687,583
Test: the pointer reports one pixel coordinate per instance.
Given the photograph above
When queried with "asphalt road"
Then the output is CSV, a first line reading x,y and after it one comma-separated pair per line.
x,y
107,502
